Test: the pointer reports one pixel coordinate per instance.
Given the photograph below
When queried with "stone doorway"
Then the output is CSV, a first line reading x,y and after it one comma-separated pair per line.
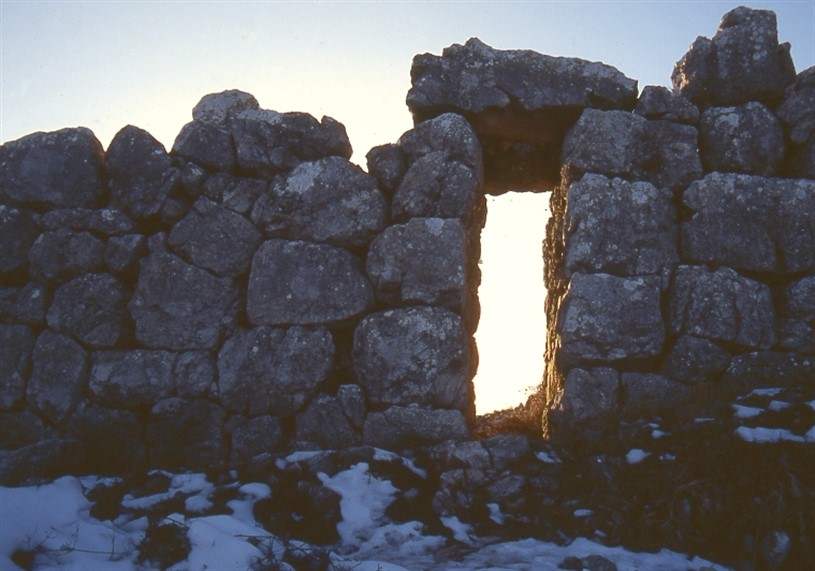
x,y
511,334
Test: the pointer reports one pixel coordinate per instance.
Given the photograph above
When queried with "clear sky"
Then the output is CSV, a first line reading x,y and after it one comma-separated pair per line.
x,y
106,64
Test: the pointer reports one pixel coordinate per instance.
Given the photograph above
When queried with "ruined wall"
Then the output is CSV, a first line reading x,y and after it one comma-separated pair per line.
x,y
252,290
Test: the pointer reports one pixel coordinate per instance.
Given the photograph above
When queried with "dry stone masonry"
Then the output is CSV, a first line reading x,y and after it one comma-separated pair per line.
x,y
254,291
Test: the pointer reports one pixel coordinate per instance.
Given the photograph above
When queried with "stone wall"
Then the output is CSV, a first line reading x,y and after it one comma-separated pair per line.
x,y
252,290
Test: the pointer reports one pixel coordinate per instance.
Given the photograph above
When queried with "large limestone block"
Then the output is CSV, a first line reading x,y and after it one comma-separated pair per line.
x,y
422,261
59,376
92,309
657,102
400,427
251,437
608,318
62,169
141,172
618,227
414,355
273,371
325,424
797,325
62,254
179,306
18,229
722,305
742,62
215,238
651,390
328,200
126,379
295,282
747,138
618,143
587,394
751,223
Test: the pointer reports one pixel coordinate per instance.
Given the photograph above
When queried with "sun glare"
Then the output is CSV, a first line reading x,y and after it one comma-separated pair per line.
x,y
512,331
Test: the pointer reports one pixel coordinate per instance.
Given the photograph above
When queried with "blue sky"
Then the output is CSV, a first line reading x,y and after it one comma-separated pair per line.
x,y
105,64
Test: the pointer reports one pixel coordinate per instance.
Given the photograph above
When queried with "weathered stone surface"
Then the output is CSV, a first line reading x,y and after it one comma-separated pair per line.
x,y
696,360
722,305
403,426
219,107
273,371
141,173
742,62
650,390
126,379
587,394
797,113
59,375
215,238
112,440
413,355
179,306
657,102
797,327
435,186
236,194
387,164
43,460
107,221
62,169
253,436
618,143
507,450
267,142
422,261
184,434
325,424
122,253
91,308
352,401
18,429
448,133
761,369
207,144
617,227
26,304
18,229
195,375
16,343
774,216
747,138
608,318
294,282
62,254
328,200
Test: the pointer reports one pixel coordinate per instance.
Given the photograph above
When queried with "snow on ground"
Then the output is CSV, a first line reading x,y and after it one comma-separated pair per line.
x,y
54,522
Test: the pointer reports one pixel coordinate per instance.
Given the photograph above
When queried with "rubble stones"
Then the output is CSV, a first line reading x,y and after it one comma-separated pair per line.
x,y
296,282
183,434
62,169
273,371
422,261
413,355
400,427
328,200
747,138
251,437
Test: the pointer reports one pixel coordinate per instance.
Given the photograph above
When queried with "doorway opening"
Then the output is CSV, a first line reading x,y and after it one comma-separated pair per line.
x,y
511,334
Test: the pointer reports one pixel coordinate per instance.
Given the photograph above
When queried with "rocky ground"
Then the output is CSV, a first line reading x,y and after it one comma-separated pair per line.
x,y
669,494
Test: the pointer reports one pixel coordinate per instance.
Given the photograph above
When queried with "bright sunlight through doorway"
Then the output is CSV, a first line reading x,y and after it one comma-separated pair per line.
x,y
511,334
